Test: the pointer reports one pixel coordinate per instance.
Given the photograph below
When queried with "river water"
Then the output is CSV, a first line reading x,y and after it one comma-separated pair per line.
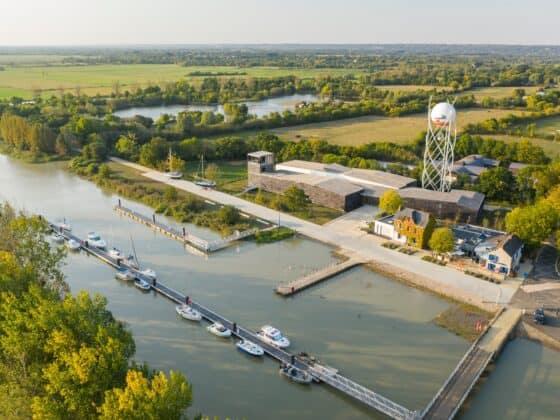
x,y
258,108
376,331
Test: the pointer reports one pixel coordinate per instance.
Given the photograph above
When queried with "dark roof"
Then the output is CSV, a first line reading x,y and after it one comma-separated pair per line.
x,y
420,218
511,244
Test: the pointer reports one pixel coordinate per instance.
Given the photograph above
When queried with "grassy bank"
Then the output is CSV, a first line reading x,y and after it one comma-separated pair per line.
x,y
461,319
28,156
274,235
178,204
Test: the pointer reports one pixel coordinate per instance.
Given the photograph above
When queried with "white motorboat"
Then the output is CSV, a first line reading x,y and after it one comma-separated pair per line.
x,y
57,237
125,274
205,184
148,272
250,348
219,330
142,285
188,313
73,245
115,253
95,240
273,336
295,374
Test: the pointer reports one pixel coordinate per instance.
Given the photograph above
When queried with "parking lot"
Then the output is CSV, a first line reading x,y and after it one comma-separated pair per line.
x,y
545,265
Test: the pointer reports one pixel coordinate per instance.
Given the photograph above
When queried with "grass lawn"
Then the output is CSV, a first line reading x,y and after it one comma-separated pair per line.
x,y
550,147
461,319
93,79
498,92
361,130
410,88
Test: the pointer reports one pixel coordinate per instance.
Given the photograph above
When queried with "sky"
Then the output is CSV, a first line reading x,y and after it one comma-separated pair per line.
x,y
120,22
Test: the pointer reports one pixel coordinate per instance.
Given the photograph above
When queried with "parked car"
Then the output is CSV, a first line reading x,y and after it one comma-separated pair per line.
x,y
539,316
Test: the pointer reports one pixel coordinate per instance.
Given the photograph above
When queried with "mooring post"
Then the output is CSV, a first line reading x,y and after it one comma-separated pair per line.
x,y
184,232
154,218
119,202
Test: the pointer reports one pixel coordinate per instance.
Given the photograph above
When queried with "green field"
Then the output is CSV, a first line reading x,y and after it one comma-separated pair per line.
x,y
547,126
356,131
93,79
550,147
498,92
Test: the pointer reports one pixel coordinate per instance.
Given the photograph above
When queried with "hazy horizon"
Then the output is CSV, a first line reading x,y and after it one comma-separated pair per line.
x,y
77,23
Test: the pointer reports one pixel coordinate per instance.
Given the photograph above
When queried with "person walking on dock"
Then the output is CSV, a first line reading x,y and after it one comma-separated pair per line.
x,y
188,300
234,327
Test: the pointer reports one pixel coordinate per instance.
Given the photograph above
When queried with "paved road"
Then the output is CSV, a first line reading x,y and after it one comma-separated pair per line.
x,y
366,246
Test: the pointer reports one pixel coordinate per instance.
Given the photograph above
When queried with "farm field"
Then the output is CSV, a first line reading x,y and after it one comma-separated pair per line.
x,y
94,79
356,131
550,147
410,88
498,92
547,126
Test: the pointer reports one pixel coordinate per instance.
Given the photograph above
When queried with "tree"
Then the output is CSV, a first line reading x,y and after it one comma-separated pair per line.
x,y
533,224
127,146
295,199
259,197
175,163
442,240
229,215
390,202
212,172
104,172
497,183
143,398
62,148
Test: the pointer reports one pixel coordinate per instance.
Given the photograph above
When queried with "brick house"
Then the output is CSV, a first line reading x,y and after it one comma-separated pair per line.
x,y
417,226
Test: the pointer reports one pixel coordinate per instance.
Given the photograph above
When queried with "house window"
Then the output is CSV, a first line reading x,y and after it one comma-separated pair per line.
x,y
491,266
492,257
503,270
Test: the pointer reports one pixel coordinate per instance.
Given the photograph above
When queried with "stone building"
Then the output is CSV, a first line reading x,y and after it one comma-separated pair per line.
x,y
417,226
337,186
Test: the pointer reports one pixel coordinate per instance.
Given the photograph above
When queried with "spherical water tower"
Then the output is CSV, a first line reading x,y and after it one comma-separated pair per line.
x,y
440,145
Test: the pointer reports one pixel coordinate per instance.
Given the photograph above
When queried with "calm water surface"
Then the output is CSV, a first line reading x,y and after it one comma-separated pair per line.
x,y
258,108
376,331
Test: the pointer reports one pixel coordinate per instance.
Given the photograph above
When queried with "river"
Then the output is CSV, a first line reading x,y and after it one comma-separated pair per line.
x,y
376,331
258,108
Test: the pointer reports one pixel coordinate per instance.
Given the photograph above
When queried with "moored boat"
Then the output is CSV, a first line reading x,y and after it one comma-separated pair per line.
x,y
95,240
219,330
295,374
64,225
188,313
148,272
115,253
273,336
73,245
250,348
142,285
174,175
125,274
57,237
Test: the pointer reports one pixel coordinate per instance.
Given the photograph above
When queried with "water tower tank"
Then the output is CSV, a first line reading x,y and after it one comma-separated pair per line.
x,y
443,114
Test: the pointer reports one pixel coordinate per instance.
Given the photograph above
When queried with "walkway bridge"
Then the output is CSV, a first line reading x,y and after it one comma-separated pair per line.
x,y
184,236
320,372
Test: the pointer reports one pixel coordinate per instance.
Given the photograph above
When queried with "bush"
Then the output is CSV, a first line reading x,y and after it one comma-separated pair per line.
x,y
229,215
274,235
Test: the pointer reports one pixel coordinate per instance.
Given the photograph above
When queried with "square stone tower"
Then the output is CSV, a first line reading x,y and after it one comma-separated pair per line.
x,y
257,163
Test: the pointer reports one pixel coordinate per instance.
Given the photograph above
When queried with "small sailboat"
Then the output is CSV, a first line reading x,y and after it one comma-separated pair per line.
x,y
57,238
273,336
188,312
125,274
133,262
219,330
171,166
142,285
295,374
250,348
95,240
73,245
204,183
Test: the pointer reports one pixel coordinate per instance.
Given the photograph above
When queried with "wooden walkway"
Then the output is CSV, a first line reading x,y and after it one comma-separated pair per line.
x,y
449,399
183,236
320,372
318,276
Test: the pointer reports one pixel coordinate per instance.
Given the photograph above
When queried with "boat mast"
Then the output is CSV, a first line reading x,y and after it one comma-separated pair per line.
x,y
134,252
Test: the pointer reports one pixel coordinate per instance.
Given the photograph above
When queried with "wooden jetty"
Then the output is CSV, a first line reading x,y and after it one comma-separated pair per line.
x,y
455,390
325,374
318,276
184,236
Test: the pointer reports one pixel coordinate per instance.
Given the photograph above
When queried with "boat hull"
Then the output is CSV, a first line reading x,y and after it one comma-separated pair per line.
x,y
190,315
